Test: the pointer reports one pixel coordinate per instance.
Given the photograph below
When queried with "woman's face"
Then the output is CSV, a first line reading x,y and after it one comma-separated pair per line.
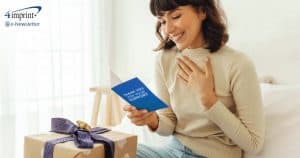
x,y
183,26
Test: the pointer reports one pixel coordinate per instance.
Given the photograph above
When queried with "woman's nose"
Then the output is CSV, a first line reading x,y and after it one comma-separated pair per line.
x,y
169,28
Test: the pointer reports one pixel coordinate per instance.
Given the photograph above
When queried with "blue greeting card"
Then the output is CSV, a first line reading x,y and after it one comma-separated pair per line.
x,y
137,94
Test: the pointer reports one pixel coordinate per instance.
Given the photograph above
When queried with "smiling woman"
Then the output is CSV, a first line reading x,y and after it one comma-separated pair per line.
x,y
215,106
170,15
186,32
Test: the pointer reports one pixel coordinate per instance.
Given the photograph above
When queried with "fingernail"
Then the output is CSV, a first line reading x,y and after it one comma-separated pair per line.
x,y
145,111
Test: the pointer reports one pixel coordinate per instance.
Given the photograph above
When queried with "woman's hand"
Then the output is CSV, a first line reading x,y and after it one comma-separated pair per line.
x,y
199,81
141,117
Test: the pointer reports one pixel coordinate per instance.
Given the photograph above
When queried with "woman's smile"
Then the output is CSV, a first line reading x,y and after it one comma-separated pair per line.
x,y
177,37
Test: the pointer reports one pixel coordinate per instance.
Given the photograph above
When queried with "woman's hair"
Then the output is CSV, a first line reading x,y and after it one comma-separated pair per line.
x,y
214,27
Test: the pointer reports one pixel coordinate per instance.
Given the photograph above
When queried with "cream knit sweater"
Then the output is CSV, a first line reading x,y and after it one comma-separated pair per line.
x,y
233,124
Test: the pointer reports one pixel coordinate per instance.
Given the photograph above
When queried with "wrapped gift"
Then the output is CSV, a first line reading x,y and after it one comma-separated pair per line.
x,y
66,140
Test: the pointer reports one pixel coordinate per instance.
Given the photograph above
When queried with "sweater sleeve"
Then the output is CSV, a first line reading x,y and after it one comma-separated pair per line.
x,y
247,127
167,118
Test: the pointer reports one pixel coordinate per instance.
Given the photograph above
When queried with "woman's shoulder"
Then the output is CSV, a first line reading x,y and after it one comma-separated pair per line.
x,y
237,61
231,52
234,56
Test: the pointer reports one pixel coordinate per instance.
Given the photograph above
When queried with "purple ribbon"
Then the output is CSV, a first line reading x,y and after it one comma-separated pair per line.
x,y
82,138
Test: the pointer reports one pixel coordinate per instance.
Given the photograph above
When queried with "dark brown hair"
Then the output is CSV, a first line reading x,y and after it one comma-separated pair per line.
x,y
214,27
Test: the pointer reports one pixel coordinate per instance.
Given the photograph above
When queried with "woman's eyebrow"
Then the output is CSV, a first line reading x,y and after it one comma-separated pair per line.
x,y
167,13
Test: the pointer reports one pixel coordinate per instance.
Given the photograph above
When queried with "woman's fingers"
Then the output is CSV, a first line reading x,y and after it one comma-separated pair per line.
x,y
185,68
181,74
183,79
184,71
136,113
138,117
208,68
142,120
128,108
193,66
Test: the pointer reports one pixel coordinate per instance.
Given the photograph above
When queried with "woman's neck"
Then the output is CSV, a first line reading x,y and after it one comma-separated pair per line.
x,y
199,42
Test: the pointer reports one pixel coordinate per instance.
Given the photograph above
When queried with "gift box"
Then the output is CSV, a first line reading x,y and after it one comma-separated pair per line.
x,y
124,146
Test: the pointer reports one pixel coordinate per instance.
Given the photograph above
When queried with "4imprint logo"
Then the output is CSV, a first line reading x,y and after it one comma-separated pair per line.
x,y
22,17
25,13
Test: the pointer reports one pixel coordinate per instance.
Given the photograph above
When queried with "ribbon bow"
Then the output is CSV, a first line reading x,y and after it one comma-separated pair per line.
x,y
83,135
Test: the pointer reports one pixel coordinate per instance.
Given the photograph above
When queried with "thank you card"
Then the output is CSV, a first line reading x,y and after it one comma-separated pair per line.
x,y
136,93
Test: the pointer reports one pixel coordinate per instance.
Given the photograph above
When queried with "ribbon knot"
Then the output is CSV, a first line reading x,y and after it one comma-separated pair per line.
x,y
83,125
83,136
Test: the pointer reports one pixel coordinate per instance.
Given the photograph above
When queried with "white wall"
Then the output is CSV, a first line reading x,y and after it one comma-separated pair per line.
x,y
134,37
268,31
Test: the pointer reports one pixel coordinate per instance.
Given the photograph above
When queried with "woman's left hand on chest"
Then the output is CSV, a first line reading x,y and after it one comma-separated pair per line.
x,y
200,81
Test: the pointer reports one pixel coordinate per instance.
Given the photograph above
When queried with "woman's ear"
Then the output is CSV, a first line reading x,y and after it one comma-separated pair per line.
x,y
201,14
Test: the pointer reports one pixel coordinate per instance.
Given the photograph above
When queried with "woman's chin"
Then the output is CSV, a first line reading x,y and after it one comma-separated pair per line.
x,y
180,46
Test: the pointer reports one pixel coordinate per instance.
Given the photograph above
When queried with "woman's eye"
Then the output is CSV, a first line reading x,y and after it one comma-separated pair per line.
x,y
176,17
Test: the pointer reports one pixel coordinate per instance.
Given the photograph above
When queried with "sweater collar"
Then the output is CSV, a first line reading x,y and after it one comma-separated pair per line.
x,y
195,51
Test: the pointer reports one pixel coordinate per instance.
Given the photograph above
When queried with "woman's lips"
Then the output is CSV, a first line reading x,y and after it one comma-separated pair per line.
x,y
177,37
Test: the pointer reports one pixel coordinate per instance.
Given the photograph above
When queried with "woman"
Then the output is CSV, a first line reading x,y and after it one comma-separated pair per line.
x,y
215,106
